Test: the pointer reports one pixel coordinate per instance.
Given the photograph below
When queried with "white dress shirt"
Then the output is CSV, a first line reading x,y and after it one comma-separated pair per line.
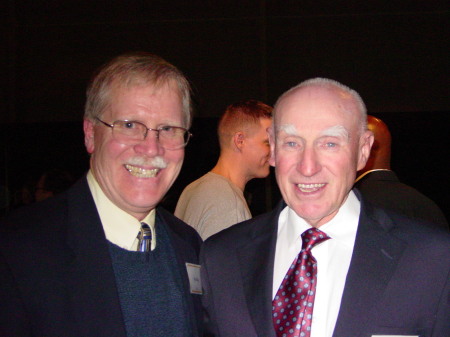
x,y
120,227
333,259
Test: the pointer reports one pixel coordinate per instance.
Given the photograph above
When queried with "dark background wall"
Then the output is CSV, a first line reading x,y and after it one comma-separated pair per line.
x,y
395,54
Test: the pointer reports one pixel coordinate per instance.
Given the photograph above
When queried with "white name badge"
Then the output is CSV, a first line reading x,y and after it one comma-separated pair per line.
x,y
195,282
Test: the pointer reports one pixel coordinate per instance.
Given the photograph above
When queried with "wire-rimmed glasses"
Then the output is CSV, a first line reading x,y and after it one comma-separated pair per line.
x,y
132,132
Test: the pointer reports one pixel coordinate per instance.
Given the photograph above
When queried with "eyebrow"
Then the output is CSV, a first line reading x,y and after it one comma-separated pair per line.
x,y
336,131
290,129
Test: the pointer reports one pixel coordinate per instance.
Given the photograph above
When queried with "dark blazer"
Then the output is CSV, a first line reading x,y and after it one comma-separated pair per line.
x,y
56,272
397,284
384,189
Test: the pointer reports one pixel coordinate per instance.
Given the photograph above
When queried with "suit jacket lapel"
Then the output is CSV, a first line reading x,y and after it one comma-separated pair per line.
x,y
90,277
374,260
256,265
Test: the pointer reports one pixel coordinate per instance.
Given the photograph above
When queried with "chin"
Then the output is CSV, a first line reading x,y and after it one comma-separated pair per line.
x,y
145,200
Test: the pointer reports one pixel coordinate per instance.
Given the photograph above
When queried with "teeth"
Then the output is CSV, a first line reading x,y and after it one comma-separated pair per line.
x,y
140,172
309,187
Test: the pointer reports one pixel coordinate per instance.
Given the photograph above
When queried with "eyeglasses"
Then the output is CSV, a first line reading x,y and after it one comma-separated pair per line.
x,y
132,132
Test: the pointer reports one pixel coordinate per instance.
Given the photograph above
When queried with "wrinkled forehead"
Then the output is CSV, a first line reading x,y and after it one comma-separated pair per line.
x,y
320,109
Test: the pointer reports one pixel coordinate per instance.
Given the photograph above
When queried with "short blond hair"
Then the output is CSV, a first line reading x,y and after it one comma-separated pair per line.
x,y
241,116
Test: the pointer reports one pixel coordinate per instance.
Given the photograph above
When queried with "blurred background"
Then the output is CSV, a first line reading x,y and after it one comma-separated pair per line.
x,y
395,54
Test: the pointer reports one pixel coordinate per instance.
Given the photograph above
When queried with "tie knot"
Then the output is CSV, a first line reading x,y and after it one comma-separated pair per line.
x,y
144,238
146,232
311,237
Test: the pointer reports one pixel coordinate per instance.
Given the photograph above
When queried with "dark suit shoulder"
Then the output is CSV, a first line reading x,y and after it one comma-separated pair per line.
x,y
46,215
410,230
418,229
402,198
33,243
51,215
244,232
180,228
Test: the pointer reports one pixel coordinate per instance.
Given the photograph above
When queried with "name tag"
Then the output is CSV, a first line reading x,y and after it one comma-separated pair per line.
x,y
195,282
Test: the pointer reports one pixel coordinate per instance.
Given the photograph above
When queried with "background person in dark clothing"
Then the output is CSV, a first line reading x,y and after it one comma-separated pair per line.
x,y
381,186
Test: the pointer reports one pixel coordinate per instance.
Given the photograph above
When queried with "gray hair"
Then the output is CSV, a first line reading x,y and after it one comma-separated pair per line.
x,y
328,83
134,69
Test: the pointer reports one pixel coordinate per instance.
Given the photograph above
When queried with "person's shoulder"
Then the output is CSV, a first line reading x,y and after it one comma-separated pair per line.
x,y
412,231
37,216
403,199
422,227
210,181
179,227
246,231
48,219
207,188
36,229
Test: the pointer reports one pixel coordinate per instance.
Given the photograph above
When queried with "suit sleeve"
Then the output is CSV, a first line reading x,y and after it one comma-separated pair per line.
x,y
442,326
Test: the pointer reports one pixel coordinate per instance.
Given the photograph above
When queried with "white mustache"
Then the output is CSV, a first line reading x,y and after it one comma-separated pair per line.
x,y
156,162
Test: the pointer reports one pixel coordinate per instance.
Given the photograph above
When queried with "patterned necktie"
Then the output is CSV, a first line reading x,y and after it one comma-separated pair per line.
x,y
293,304
145,238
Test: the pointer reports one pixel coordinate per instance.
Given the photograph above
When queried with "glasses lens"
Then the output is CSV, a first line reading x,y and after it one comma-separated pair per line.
x,y
128,132
173,137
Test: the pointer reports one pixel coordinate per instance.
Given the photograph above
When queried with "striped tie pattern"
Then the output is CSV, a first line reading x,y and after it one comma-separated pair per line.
x,y
144,238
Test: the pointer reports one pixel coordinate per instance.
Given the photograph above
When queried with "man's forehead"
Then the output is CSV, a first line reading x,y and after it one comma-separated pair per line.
x,y
308,94
313,97
145,84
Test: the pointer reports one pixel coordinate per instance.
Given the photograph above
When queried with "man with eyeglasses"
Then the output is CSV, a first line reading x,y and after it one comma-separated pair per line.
x,y
103,259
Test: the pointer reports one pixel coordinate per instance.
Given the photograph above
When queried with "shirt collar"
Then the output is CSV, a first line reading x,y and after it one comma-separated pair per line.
x,y
342,227
120,227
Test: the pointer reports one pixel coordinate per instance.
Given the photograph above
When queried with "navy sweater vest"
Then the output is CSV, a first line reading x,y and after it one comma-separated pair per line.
x,y
151,290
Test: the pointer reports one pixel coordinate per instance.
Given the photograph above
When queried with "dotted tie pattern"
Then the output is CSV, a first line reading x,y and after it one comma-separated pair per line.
x,y
145,238
292,307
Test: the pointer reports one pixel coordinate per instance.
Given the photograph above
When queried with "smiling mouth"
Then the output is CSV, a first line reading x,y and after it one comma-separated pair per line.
x,y
308,188
140,172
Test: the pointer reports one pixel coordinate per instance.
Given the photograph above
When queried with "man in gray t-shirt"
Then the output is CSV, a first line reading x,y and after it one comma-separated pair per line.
x,y
216,200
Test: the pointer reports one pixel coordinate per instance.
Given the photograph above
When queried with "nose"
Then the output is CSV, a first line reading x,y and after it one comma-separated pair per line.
x,y
309,162
150,145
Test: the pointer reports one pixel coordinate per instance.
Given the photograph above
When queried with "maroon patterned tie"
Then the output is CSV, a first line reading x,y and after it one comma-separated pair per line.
x,y
293,304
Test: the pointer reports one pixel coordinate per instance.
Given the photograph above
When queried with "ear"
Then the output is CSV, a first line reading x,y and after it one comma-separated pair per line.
x,y
365,144
238,140
88,128
271,134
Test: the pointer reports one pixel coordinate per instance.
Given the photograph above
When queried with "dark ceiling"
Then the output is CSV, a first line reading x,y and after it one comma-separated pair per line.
x,y
395,55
